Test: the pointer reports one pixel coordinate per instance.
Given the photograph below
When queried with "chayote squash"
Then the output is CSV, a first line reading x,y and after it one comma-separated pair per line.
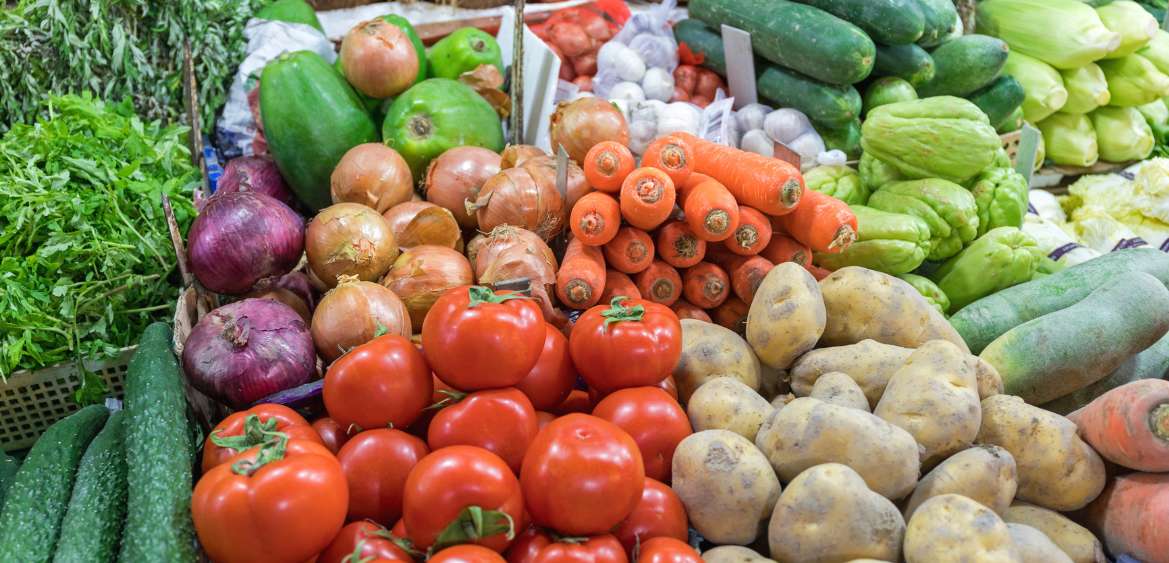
x,y
874,173
948,209
940,137
840,182
928,289
1001,196
1001,258
887,242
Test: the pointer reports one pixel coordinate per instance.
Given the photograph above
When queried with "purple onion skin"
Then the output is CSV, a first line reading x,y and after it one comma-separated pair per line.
x,y
247,350
257,174
241,238
298,283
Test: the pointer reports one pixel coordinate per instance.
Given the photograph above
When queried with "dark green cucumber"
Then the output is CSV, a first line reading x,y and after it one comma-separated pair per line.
x,y
291,11
159,455
8,467
965,65
93,524
800,37
407,28
940,17
907,62
39,496
1000,99
311,117
1011,123
846,139
886,21
1152,363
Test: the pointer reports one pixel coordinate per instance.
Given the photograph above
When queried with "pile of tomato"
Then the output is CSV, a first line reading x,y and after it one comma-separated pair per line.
x,y
477,446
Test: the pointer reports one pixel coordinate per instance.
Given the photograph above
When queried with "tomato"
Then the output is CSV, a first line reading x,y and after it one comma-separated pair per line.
x,y
534,546
374,543
629,343
377,384
288,510
666,385
477,339
667,550
543,418
332,434
501,421
278,418
578,401
452,479
582,475
659,513
399,528
376,463
553,376
466,554
655,421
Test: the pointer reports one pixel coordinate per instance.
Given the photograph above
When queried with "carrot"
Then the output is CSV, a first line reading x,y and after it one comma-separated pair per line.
x,y
822,222
1129,425
617,283
678,246
706,285
783,248
746,272
687,310
767,184
670,154
581,278
660,283
631,251
595,218
607,164
817,272
647,198
732,314
1130,516
752,235
711,210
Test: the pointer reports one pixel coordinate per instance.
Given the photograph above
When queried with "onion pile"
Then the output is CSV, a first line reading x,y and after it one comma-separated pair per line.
x,y
510,253
584,122
422,274
543,169
354,313
416,223
349,239
256,174
293,289
516,155
241,238
378,59
372,174
456,176
516,197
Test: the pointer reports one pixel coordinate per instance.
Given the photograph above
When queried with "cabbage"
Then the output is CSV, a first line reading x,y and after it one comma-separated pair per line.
x,y
1122,134
1045,92
1044,204
1152,188
1098,230
1134,24
1157,51
1070,139
1087,89
1063,33
1134,81
1155,112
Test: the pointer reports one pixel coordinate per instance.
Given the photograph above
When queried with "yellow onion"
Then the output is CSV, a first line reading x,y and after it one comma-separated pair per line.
x,y
423,273
584,122
416,223
543,170
516,155
349,239
515,197
354,313
378,59
509,253
372,174
456,176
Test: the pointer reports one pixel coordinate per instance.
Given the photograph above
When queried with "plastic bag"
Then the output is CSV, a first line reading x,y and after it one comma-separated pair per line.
x,y
646,41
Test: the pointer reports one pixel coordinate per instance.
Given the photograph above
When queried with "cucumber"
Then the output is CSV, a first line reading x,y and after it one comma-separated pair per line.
x,y
907,62
1152,363
311,118
291,11
939,16
93,524
159,455
986,319
704,41
796,36
886,21
999,100
846,139
1061,352
1011,123
39,496
965,65
8,467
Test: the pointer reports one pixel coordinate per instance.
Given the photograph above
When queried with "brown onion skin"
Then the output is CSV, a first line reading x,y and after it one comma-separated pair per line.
x,y
415,223
584,122
349,316
374,175
516,155
508,253
543,169
240,239
515,197
456,176
378,59
349,239
423,273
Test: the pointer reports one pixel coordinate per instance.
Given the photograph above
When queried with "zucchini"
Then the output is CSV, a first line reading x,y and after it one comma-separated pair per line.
x,y
39,496
999,100
1062,352
1011,123
93,524
796,36
907,62
846,139
886,21
8,467
940,17
159,455
291,11
1152,363
986,319
965,65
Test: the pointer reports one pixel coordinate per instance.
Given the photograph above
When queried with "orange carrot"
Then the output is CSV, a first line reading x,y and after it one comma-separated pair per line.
x,y
1129,425
647,198
817,272
746,272
617,283
660,283
1130,516
732,314
711,210
822,222
607,164
783,248
631,251
752,235
767,184
678,246
706,285
595,218
581,278
670,154
687,310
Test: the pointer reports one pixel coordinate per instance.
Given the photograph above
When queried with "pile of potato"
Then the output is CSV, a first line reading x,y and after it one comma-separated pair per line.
x,y
853,424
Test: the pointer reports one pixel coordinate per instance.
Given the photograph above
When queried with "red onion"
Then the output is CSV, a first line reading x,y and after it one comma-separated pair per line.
x,y
585,65
422,274
249,349
570,38
378,59
372,174
456,176
241,238
257,174
515,197
584,122
349,239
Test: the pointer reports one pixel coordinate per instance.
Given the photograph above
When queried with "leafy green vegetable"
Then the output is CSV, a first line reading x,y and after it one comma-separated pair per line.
x,y
85,254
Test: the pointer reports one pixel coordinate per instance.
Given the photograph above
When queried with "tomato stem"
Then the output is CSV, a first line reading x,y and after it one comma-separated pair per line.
x,y
473,524
255,433
618,312
452,397
480,295
272,446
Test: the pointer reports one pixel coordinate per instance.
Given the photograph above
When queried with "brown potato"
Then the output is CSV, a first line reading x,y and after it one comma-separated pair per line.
x,y
733,554
868,362
989,380
787,315
725,483
1076,541
724,403
953,528
710,351
773,382
781,400
1034,546
984,474
839,389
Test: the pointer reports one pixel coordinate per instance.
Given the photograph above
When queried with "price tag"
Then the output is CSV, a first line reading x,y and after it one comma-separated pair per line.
x,y
785,154
716,118
562,170
740,65
1028,149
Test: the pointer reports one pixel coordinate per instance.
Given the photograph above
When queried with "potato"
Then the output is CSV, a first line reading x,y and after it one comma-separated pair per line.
x,y
710,351
868,362
725,483
828,514
781,400
863,303
934,397
773,381
984,474
808,432
989,380
1034,546
725,403
1074,540
1056,469
787,315
954,528
839,389
733,554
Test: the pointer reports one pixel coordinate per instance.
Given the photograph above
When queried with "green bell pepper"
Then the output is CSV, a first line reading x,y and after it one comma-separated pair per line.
x,y
928,289
948,209
840,182
1001,196
463,51
999,259
887,242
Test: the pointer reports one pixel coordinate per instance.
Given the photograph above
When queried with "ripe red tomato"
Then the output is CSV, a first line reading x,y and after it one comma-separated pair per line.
x,y
374,543
535,546
466,554
232,428
543,418
476,338
452,479
578,401
399,528
380,383
289,509
655,421
376,463
582,475
666,385
332,434
667,550
659,513
501,421
629,343
553,376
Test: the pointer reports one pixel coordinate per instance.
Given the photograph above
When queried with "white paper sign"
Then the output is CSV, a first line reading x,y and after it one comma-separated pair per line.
x,y
740,65
541,71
